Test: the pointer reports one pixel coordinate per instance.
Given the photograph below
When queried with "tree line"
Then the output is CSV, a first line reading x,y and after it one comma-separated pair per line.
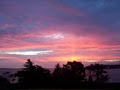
x,y
70,75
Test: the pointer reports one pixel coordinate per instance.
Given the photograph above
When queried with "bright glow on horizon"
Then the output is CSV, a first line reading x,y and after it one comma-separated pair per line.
x,y
70,58
112,60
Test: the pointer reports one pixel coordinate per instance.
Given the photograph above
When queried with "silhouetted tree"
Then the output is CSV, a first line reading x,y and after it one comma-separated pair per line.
x,y
57,71
4,83
29,65
32,75
97,73
57,75
74,71
70,75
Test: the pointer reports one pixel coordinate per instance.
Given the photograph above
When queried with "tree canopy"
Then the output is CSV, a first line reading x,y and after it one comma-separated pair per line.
x,y
70,74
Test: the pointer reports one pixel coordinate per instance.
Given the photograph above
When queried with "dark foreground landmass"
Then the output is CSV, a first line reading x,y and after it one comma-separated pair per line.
x,y
72,75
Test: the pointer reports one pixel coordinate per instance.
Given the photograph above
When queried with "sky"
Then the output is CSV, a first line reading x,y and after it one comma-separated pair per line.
x,y
56,31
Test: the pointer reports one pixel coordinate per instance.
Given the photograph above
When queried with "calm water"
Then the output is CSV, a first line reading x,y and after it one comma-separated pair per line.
x,y
114,74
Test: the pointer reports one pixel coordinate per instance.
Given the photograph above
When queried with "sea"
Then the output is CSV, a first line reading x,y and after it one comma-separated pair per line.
x,y
114,74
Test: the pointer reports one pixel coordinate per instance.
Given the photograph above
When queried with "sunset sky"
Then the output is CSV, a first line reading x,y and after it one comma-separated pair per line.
x,y
57,31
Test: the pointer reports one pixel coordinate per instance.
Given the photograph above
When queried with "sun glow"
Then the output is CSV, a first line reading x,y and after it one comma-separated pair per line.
x,y
70,58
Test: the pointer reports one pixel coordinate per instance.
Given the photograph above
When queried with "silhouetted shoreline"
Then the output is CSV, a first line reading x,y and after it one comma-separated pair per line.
x,y
69,76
